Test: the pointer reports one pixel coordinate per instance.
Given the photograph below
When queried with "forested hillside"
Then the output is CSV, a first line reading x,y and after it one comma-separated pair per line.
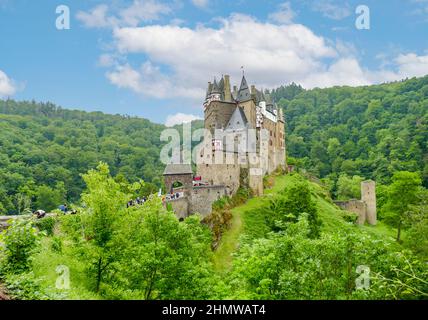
x,y
291,243
44,150
369,131
335,133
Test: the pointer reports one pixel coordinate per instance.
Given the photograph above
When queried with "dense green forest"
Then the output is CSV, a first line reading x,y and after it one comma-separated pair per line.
x,y
273,250
44,150
370,132
291,243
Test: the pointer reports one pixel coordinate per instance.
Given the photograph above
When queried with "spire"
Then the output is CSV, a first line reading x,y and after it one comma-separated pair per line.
x,y
238,120
244,93
210,87
215,88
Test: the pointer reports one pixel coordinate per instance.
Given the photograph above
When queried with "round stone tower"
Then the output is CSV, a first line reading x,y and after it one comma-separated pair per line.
x,y
368,195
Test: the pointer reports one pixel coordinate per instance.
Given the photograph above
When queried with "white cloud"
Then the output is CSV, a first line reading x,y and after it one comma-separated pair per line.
x,y
331,10
143,11
412,65
284,15
180,118
106,60
149,80
7,85
200,3
139,11
97,17
422,8
180,60
272,54
126,77
347,71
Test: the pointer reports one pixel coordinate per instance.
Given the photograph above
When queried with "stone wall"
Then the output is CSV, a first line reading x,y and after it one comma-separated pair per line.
x,y
180,207
185,179
218,114
366,207
256,181
368,195
203,198
355,206
221,174
249,108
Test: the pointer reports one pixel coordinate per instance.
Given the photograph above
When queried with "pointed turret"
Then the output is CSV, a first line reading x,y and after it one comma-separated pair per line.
x,y
238,120
244,93
215,88
210,87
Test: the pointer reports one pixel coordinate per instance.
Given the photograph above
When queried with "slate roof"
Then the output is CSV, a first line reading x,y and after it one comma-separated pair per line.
x,y
215,88
238,120
177,169
244,93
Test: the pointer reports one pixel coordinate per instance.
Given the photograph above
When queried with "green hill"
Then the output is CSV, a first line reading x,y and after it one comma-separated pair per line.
x,y
249,223
258,262
45,149
370,131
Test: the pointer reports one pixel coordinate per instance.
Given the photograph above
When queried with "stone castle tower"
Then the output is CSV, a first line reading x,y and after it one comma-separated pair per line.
x,y
246,136
366,207
368,196
244,140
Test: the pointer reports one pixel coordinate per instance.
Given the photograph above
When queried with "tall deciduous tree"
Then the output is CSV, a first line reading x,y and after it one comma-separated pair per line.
x,y
403,193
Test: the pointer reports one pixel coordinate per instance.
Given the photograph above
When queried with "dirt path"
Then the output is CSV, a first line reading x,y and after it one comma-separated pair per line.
x,y
228,245
3,294
223,256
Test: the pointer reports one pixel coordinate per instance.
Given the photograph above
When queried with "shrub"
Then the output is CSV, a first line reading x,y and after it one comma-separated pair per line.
x,y
24,287
46,225
20,242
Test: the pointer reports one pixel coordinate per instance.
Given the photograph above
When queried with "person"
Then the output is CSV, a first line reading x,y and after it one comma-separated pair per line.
x,y
40,214
62,208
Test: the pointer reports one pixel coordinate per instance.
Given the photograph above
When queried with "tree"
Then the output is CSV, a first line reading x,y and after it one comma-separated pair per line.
x,y
417,234
402,194
294,201
105,201
20,243
23,203
348,188
49,199
167,259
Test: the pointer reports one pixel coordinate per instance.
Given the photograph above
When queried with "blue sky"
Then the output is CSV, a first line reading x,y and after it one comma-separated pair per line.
x,y
153,58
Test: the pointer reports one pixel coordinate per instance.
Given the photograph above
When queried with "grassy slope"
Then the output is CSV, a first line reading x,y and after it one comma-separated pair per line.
x,y
245,223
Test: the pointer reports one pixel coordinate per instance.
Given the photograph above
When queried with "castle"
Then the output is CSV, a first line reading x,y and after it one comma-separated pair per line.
x,y
244,140
364,208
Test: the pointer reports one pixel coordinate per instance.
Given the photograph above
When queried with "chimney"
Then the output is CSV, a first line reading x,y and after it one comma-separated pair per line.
x,y
227,93
253,92
235,91
253,89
